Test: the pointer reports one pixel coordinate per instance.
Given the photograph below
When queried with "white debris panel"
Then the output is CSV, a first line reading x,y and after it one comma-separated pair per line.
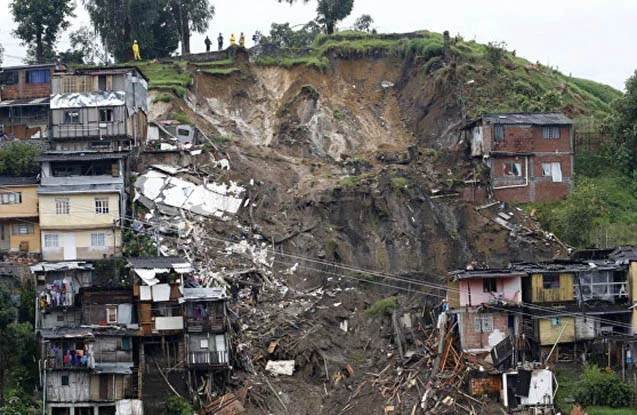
x,y
280,367
210,199
90,99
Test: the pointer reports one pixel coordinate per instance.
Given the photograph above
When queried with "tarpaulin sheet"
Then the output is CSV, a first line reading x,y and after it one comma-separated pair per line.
x,y
145,293
161,292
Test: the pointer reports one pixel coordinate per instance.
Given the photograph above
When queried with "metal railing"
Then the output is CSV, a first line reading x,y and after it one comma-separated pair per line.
x,y
214,358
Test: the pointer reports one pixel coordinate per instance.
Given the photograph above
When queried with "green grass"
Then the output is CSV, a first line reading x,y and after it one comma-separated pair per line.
x,y
166,75
317,62
348,181
181,117
221,71
399,183
382,306
604,410
163,97
222,139
222,62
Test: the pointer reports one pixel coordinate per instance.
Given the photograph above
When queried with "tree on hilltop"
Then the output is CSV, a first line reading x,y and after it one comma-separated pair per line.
x,y
191,16
39,23
329,11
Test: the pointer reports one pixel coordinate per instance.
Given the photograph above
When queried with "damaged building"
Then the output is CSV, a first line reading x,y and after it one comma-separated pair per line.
x,y
529,155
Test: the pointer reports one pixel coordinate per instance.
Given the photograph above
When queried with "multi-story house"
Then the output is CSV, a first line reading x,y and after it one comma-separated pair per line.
x,y
486,303
86,342
19,224
24,99
98,117
529,155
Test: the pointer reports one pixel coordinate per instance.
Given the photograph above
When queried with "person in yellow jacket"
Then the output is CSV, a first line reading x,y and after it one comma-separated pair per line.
x,y
136,54
242,40
232,39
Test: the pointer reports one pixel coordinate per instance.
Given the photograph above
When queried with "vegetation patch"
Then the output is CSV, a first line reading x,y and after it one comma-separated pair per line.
x,y
399,183
311,91
317,62
163,97
181,117
222,139
222,62
221,71
382,307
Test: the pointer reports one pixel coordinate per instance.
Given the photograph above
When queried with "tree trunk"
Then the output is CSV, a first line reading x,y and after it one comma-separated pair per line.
x,y
186,39
330,28
39,48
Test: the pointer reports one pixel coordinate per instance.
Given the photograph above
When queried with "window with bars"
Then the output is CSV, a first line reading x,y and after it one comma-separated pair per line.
x,y
98,240
62,206
10,198
551,133
23,229
111,314
106,115
71,117
101,205
513,169
483,323
499,132
51,240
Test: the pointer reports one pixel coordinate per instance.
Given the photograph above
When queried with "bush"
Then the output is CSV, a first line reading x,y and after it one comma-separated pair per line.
x,y
603,388
181,117
177,405
382,306
399,183
495,53
163,97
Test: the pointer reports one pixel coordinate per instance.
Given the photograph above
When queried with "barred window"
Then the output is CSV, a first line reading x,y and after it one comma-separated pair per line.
x,y
51,240
62,206
551,133
106,115
101,205
483,323
98,239
23,229
10,198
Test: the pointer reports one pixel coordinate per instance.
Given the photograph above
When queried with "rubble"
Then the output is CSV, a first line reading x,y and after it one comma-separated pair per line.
x,y
280,367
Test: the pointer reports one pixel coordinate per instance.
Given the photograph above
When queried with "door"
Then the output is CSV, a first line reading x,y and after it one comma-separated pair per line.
x,y
70,251
5,242
220,347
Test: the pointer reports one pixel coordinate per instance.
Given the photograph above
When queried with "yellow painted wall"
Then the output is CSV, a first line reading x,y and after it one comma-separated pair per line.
x,y
28,207
81,211
541,295
632,284
83,248
549,334
453,294
33,239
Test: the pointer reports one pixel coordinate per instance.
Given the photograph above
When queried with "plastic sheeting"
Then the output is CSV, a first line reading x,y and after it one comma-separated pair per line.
x,y
161,292
145,293
92,99
129,407
124,313
148,275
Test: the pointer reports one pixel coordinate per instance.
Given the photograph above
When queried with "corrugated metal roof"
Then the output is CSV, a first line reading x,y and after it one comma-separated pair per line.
x,y
61,266
534,118
489,273
80,188
84,156
216,293
44,101
17,181
156,261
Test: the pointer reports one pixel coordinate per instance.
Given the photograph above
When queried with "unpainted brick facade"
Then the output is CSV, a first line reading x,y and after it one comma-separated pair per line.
x,y
21,88
525,165
476,337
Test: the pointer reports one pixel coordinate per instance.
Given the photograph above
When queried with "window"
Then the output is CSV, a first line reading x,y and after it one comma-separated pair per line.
x,y
111,314
554,170
483,323
62,206
101,205
65,380
551,133
23,229
71,117
513,169
499,132
42,76
11,198
98,239
203,344
106,115
556,321
550,282
126,343
489,285
51,240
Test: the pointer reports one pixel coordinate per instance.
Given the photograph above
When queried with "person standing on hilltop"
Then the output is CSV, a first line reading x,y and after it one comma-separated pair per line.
x,y
220,41
242,40
232,40
208,43
136,54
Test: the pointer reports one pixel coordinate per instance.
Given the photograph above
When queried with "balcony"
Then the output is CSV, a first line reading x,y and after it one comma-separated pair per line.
x,y
209,359
206,325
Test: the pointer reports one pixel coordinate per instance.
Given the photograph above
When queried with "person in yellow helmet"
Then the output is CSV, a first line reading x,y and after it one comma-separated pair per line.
x,y
242,40
136,54
232,39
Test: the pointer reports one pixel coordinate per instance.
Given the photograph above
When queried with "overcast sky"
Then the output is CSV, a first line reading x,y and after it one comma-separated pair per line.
x,y
591,39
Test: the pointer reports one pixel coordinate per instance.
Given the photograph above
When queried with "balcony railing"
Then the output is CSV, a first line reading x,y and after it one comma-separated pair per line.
x,y
211,324
214,358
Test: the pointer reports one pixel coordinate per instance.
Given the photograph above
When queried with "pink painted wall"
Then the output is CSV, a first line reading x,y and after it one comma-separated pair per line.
x,y
511,288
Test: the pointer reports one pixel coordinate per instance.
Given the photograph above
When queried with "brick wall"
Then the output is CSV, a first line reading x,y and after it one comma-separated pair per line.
x,y
473,340
486,386
22,90
526,139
